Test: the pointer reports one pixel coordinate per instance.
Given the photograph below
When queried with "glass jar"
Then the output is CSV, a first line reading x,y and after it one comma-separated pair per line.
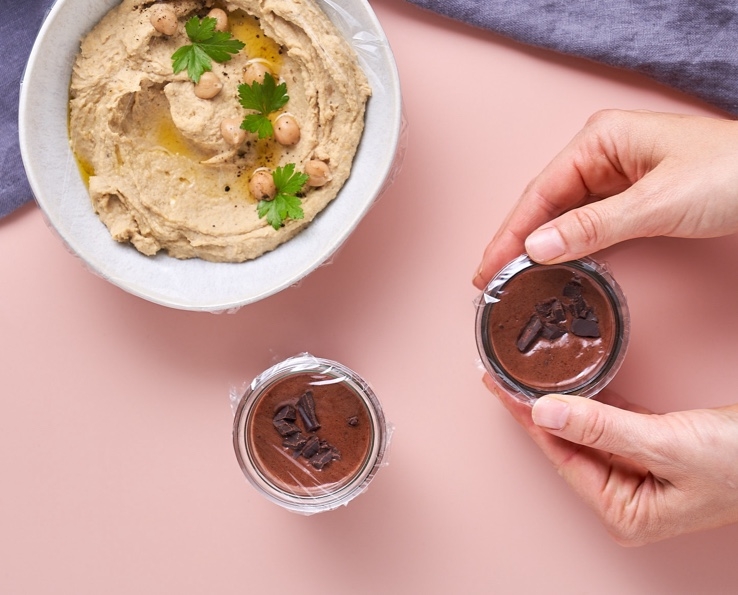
x,y
561,328
310,434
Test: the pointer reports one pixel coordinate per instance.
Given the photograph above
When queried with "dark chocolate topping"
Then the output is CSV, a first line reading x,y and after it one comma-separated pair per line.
x,y
319,452
306,408
285,428
311,447
323,457
552,331
295,441
530,333
550,319
287,413
573,289
583,327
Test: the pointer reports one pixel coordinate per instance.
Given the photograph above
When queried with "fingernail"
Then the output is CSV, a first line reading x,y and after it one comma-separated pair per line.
x,y
545,244
550,413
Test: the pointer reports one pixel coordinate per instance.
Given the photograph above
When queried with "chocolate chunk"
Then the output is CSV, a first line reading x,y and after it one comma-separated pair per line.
x,y
306,408
529,334
286,413
353,421
295,441
322,458
583,327
552,331
312,446
285,428
551,311
558,314
544,308
573,289
580,307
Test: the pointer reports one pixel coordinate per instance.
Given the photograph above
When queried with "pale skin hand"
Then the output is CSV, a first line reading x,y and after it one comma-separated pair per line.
x,y
647,477
626,175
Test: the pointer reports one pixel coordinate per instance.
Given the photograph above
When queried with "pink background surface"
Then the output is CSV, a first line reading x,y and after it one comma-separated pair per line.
x,y
118,474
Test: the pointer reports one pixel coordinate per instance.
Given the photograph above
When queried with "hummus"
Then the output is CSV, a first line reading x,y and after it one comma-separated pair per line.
x,y
160,173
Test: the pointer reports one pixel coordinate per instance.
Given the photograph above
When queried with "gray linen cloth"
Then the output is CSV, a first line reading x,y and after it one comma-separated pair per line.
x,y
19,23
690,45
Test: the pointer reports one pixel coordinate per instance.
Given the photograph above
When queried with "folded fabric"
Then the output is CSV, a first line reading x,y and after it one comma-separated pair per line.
x,y
690,45
19,23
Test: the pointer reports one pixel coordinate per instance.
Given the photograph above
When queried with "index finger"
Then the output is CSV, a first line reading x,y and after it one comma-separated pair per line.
x,y
586,169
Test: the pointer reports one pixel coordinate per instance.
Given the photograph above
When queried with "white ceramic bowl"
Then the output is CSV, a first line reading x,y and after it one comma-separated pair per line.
x,y
196,284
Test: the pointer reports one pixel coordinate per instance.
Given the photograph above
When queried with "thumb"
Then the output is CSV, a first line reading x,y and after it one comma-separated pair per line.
x,y
596,425
593,227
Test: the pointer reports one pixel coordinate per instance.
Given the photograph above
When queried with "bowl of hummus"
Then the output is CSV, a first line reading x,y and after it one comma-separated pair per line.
x,y
206,154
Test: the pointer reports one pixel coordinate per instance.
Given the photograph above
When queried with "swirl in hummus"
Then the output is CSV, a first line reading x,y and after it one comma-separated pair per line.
x,y
160,171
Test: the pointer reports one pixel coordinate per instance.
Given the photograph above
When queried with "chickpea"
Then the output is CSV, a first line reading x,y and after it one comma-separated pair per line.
x,y
286,130
221,17
255,70
318,171
232,133
262,185
209,85
163,19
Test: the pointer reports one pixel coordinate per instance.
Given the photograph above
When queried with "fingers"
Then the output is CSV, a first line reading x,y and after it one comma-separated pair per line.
x,y
598,225
596,425
586,167
556,449
625,175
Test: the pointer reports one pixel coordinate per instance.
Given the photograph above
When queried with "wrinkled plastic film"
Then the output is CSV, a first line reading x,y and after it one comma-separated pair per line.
x,y
367,45
598,275
309,434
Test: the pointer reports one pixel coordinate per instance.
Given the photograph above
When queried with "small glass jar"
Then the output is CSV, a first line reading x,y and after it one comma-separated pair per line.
x,y
310,434
561,328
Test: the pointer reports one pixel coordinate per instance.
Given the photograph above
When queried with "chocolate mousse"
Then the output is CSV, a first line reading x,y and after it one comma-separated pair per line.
x,y
555,328
310,434
308,437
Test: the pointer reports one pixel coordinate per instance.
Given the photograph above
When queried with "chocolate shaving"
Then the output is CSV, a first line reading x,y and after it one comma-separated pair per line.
x,y
322,458
550,319
558,313
312,446
287,413
306,409
580,307
285,428
544,308
529,334
295,441
551,310
573,289
318,452
552,331
582,327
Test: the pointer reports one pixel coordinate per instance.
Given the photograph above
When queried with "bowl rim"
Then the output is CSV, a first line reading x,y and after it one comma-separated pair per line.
x,y
196,284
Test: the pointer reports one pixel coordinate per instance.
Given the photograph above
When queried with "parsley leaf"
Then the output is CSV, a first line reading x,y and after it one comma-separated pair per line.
x,y
264,98
285,204
207,45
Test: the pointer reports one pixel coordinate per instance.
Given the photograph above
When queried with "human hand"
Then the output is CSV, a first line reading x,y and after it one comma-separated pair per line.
x,y
647,477
624,175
